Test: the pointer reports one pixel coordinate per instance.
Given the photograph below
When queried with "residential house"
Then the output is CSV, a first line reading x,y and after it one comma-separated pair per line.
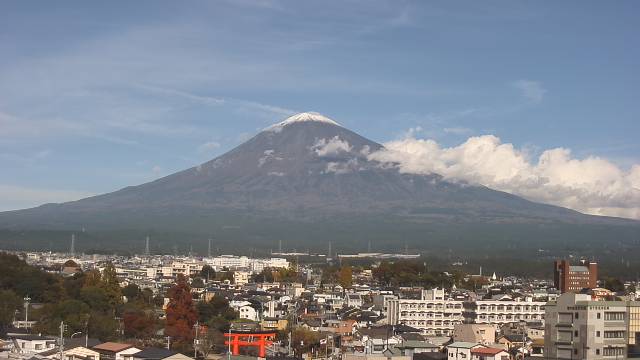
x,y
461,350
489,354
115,351
154,353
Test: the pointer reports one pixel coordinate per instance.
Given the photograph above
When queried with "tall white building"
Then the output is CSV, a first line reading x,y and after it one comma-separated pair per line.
x,y
434,314
579,328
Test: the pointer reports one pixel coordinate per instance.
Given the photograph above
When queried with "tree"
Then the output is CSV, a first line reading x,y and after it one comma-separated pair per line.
x,y
217,307
382,272
181,314
304,340
613,284
97,299
210,339
208,273
9,303
346,276
139,324
197,283
110,283
131,291
74,313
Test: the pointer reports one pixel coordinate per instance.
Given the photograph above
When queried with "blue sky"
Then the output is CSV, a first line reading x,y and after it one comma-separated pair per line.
x,y
95,96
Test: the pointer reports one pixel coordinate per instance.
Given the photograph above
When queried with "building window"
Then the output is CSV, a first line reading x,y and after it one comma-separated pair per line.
x,y
575,333
598,315
614,316
613,334
597,351
577,315
597,333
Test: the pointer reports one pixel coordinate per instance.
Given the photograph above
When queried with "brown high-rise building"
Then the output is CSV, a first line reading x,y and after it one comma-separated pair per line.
x,y
574,278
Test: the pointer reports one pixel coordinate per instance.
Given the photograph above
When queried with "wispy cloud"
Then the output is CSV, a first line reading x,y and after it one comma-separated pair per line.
x,y
530,90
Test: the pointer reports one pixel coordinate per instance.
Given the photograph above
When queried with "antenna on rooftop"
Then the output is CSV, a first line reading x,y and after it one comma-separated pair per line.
x,y
329,255
280,246
146,246
369,246
209,249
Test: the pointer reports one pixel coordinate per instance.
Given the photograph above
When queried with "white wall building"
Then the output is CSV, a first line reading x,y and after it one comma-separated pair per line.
x,y
434,314
503,311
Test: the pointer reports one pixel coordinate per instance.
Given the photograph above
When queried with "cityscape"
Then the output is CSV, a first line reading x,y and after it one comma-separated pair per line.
x,y
319,180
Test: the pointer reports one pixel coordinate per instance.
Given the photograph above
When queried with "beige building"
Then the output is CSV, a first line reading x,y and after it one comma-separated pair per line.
x,y
475,333
577,328
434,314
503,311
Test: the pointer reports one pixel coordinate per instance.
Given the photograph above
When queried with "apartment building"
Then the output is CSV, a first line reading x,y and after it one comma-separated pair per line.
x,y
434,314
578,327
503,310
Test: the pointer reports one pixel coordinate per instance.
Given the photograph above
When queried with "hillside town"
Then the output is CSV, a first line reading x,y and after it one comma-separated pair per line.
x,y
179,307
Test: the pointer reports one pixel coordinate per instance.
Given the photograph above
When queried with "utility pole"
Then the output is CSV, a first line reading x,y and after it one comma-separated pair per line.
x,y
26,310
195,342
61,341
229,350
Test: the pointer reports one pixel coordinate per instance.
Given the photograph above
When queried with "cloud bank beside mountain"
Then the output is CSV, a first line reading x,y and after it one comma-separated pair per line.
x,y
591,185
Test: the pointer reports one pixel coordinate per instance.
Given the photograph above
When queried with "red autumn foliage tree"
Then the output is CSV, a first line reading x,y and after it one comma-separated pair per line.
x,y
139,325
181,314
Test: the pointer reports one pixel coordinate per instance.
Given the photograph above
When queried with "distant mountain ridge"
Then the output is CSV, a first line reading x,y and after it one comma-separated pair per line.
x,y
306,168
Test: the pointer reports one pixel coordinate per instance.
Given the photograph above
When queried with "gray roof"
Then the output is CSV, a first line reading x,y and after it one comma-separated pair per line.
x,y
578,268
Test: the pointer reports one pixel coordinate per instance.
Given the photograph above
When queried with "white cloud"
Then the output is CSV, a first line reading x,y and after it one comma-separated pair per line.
x,y
20,197
332,147
592,185
343,167
531,90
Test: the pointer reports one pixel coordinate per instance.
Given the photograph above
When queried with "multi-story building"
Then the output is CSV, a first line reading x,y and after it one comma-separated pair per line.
x,y
579,328
434,314
503,311
574,278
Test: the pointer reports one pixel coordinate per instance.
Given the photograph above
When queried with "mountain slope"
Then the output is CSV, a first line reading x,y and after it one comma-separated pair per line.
x,y
304,169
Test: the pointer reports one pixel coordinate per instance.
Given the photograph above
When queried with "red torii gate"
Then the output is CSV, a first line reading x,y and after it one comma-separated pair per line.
x,y
261,339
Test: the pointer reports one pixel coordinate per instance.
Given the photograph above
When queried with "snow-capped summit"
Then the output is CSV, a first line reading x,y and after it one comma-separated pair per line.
x,y
303,117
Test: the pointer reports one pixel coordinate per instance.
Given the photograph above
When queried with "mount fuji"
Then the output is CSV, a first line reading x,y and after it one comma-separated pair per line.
x,y
307,180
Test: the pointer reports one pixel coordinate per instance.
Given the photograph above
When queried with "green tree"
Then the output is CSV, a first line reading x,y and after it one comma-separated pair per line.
x,y
110,283
613,284
132,292
197,283
74,313
207,272
97,298
9,303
